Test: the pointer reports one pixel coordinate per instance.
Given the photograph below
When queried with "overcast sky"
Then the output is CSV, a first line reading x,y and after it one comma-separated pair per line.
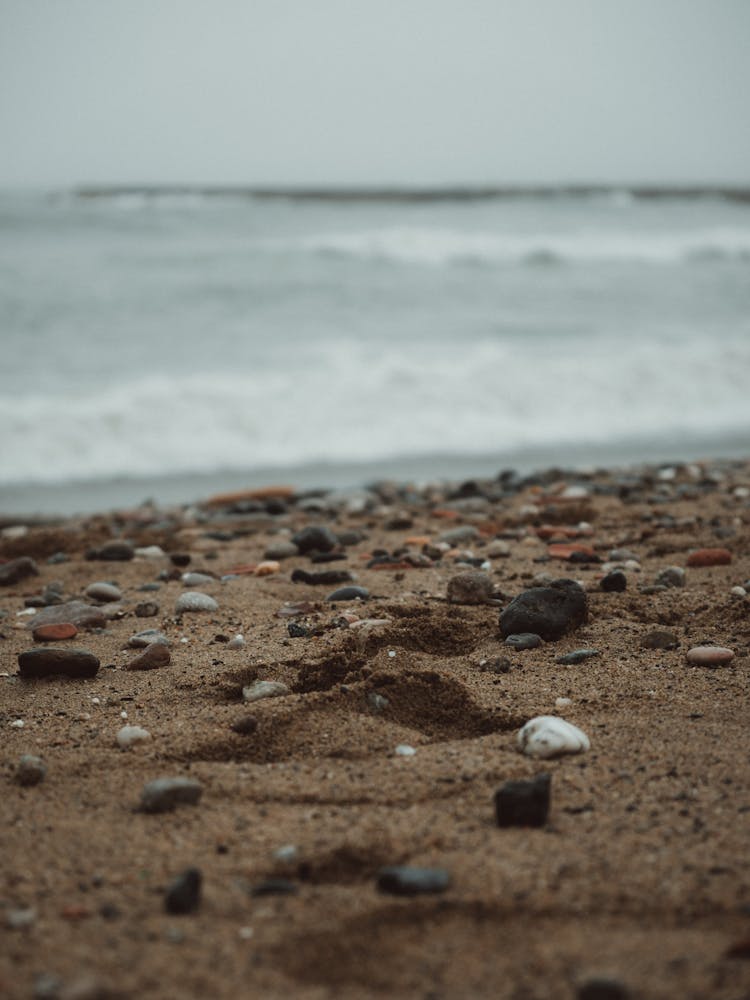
x,y
374,91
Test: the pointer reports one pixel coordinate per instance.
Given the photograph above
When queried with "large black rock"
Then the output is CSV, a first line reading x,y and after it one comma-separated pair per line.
x,y
550,611
49,661
523,803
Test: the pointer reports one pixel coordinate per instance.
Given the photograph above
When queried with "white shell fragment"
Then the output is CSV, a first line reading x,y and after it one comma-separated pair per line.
x,y
550,736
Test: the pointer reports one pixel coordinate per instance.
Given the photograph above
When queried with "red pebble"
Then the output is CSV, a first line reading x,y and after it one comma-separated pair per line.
x,y
51,633
567,551
710,557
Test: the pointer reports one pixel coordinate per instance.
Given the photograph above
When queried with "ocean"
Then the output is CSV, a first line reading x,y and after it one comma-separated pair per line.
x,y
169,344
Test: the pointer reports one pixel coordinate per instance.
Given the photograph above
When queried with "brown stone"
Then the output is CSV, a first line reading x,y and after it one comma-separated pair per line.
x,y
17,570
45,661
53,633
262,493
76,613
710,557
154,656
709,656
569,550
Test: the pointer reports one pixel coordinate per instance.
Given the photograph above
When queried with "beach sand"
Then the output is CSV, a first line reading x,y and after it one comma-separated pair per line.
x,y
640,875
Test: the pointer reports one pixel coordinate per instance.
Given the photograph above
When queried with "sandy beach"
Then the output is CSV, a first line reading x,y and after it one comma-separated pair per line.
x,y
395,727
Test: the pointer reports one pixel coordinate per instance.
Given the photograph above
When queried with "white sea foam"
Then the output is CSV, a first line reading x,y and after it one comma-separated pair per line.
x,y
415,245
362,404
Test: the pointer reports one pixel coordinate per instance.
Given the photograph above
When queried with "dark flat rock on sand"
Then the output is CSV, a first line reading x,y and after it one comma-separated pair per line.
x,y
47,662
550,612
17,570
77,613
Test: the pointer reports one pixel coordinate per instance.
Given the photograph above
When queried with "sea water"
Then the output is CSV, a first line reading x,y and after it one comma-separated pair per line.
x,y
156,343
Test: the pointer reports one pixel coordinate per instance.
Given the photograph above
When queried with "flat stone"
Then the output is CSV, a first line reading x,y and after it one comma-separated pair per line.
x,y
349,594
573,552
194,600
315,537
102,591
147,637
46,662
328,578
403,880
672,576
281,550
194,579
548,736
128,736
614,583
183,894
165,794
660,639
523,803
709,557
264,689
710,656
116,551
550,612
16,570
76,613
523,640
55,633
473,587
146,609
460,535
30,771
151,552
274,887
155,655
576,656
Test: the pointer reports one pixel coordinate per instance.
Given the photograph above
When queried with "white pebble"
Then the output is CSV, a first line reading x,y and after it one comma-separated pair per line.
x,y
96,701
391,653
264,689
151,552
14,532
245,933
286,853
27,611
237,643
738,591
129,735
184,640
123,714
550,736
17,724
404,750
563,702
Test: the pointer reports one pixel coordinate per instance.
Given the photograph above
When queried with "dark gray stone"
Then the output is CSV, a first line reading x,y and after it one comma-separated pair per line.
x,y
146,609
614,582
315,537
165,794
349,594
329,577
184,893
274,887
78,613
116,551
17,570
523,803
550,612
576,656
602,989
523,640
30,771
48,662
659,639
403,880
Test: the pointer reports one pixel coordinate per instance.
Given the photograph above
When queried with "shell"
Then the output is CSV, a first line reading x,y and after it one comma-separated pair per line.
x,y
550,736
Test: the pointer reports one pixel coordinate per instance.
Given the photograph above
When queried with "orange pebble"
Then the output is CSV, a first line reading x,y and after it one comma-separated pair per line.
x,y
267,568
710,557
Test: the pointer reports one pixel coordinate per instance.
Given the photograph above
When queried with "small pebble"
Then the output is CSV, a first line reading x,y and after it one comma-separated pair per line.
x,y
274,887
404,750
184,892
54,633
738,592
317,538
563,702
660,639
474,587
286,854
672,576
196,579
245,726
153,656
709,656
116,551
523,640
146,609
408,881
151,552
498,549
281,550
194,600
460,535
267,568
549,736
147,638
238,642
614,582
709,557
128,736
523,803
349,594
30,771
104,592
21,918
164,794
264,689
17,570
576,656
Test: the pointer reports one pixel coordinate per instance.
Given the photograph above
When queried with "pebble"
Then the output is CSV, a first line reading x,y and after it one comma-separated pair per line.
x,y
147,637
153,656
523,640
164,794
709,557
245,726
149,587
264,689
549,736
55,633
405,750
460,535
672,576
128,736
267,568
498,549
194,600
600,988
194,579
376,701
146,609
709,656
17,570
46,661
576,656
622,555
297,631
550,612
17,724
14,531
151,552
180,558
403,880
473,587
523,803
738,591
328,577
112,552
183,894
238,642
30,771
281,550
76,613
103,591
274,887
21,918
315,537
660,639
614,582
349,594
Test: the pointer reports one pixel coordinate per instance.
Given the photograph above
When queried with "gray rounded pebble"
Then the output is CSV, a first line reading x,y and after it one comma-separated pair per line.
x,y
16,570
145,638
30,771
194,600
523,640
349,594
281,550
193,579
460,535
576,656
103,591
672,576
264,689
164,794
403,880
472,587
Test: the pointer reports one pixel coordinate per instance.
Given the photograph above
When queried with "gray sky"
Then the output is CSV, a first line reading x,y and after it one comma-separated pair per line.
x,y
374,91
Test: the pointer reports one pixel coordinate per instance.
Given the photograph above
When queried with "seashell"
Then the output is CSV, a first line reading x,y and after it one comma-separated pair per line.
x,y
550,736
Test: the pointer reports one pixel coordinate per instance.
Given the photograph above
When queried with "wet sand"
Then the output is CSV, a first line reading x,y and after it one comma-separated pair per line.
x,y
640,874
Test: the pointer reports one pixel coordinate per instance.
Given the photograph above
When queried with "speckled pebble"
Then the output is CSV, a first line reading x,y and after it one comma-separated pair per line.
x,y
709,656
194,600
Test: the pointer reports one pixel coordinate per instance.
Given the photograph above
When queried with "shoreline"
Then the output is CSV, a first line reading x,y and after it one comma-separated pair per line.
x,y
395,726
